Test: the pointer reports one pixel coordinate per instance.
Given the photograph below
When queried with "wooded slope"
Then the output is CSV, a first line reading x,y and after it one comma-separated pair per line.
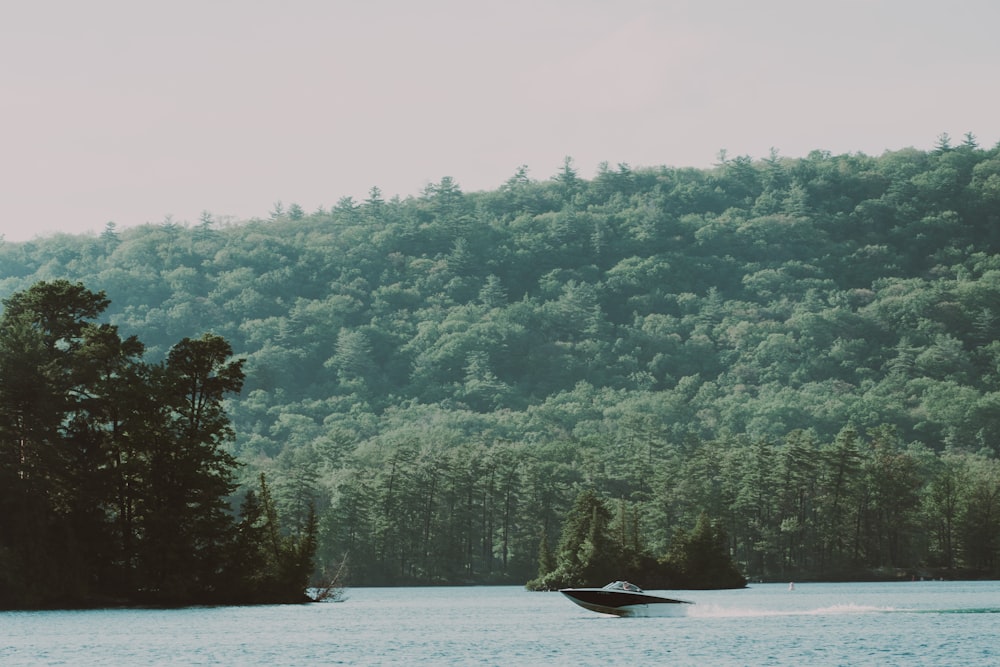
x,y
443,373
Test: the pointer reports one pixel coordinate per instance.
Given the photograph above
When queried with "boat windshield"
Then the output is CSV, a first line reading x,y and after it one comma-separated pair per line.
x,y
622,586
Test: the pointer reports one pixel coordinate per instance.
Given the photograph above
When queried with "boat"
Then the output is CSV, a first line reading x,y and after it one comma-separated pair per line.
x,y
622,598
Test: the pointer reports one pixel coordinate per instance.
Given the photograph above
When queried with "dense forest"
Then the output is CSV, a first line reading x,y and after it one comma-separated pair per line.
x,y
114,487
802,352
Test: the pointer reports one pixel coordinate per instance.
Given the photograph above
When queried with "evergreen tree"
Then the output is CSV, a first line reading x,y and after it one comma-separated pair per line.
x,y
586,555
185,510
114,475
701,559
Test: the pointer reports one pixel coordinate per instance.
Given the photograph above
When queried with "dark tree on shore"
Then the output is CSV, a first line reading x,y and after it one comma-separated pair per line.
x,y
115,477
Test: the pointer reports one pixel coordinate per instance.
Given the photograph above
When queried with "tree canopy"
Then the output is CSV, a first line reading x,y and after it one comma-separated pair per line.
x,y
114,481
804,350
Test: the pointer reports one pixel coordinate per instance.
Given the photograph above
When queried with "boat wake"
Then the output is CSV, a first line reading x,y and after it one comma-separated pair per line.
x,y
715,611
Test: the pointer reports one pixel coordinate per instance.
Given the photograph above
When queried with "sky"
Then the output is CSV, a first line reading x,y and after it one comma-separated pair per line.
x,y
136,111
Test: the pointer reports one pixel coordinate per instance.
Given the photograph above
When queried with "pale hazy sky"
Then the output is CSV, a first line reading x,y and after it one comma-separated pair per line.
x,y
132,111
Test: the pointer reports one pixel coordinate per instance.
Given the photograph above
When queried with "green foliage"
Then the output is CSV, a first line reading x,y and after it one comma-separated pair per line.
x,y
273,565
586,553
114,478
700,558
789,345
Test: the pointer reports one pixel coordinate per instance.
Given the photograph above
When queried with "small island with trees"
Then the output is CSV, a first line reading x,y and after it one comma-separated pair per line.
x,y
772,369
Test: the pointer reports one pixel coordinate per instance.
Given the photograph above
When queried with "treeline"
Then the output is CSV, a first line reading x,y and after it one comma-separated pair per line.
x,y
114,480
428,507
441,375
595,546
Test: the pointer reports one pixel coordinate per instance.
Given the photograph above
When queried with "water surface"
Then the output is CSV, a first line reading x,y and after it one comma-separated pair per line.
x,y
911,623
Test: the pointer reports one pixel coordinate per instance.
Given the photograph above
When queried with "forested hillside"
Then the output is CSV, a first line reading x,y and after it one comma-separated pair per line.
x,y
806,350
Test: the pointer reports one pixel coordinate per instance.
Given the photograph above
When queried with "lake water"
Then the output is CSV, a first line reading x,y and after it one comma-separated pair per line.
x,y
911,623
